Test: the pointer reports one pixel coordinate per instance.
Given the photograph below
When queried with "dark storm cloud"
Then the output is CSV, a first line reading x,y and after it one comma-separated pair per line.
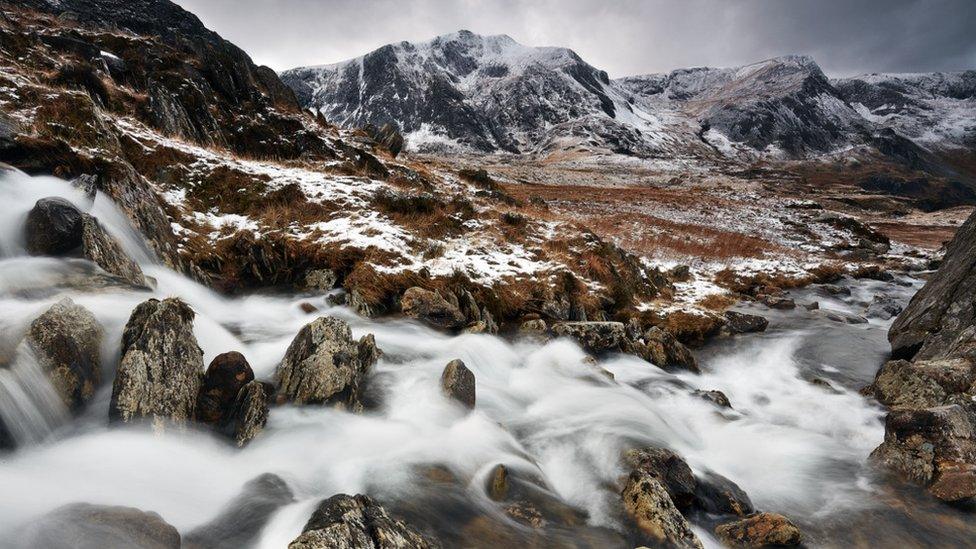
x,y
623,37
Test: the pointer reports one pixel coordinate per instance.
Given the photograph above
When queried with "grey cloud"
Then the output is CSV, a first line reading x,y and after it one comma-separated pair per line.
x,y
623,37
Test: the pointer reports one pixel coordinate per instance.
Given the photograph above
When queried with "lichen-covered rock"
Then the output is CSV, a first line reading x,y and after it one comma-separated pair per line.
x,y
66,340
664,351
431,308
87,526
323,365
760,530
321,280
744,323
647,503
458,383
249,413
158,378
226,375
923,383
240,522
357,522
594,337
106,252
53,227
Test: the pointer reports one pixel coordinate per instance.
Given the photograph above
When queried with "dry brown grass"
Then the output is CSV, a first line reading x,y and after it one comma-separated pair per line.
x,y
717,302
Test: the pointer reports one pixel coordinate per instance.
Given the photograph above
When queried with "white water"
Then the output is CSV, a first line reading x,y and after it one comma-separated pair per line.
x,y
794,447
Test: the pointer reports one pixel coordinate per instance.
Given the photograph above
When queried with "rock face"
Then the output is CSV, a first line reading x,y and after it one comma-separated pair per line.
x,y
431,308
159,375
241,521
86,526
66,341
357,522
53,227
323,365
594,337
760,530
647,503
664,351
939,320
458,383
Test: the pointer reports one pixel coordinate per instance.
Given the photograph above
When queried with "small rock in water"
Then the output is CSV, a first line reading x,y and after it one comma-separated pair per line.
x,y
87,526
779,302
665,351
844,318
498,483
760,530
53,227
717,398
812,305
241,521
594,337
648,505
744,323
226,375
344,521
458,383
831,289
307,307
883,306
431,308
249,413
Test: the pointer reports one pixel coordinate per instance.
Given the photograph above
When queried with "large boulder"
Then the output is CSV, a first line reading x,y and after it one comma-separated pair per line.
x,y
594,337
357,522
458,383
924,383
760,530
324,365
66,341
158,378
240,522
53,227
86,526
944,308
664,351
431,308
647,503
106,252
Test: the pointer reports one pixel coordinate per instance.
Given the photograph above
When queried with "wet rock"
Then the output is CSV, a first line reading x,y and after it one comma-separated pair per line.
x,y
717,398
812,306
240,522
779,302
498,483
743,323
873,272
307,307
431,308
843,318
53,227
760,530
87,526
670,470
324,365
320,280
883,306
594,337
458,383
923,383
363,307
158,378
833,290
666,352
517,488
357,522
932,447
66,340
249,413
534,327
648,505
106,252
718,495
226,375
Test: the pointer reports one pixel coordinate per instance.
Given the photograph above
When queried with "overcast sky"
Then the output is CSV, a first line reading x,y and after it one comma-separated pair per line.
x,y
623,37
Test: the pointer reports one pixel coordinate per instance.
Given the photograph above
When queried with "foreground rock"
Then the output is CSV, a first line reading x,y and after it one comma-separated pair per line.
x,y
86,526
760,530
240,522
53,227
323,365
66,340
458,383
249,413
432,308
357,522
594,337
158,378
649,506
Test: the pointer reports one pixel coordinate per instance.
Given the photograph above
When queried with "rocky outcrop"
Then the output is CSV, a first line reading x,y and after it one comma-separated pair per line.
x,y
760,530
663,350
87,526
240,522
53,227
158,378
386,136
357,522
432,308
458,383
594,337
924,383
66,341
324,365
647,503
106,252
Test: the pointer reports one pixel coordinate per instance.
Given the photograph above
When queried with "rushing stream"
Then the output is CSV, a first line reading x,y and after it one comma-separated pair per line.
x,y
796,447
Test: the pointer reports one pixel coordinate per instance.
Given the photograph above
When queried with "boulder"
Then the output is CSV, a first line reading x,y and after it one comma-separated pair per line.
x,y
357,522
664,351
883,306
324,365
249,413
458,383
158,378
320,280
779,302
66,340
226,375
431,308
594,337
647,503
760,530
53,227
240,522
87,526
923,383
945,307
106,252
720,496
535,327
743,323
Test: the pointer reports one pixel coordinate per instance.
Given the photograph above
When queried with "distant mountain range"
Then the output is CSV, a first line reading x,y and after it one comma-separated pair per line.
x,y
463,91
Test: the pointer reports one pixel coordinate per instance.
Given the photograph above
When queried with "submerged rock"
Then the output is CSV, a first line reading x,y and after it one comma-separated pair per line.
x,y
648,504
53,227
159,375
458,383
743,323
760,530
87,526
357,522
240,522
665,351
594,337
66,340
323,365
431,308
